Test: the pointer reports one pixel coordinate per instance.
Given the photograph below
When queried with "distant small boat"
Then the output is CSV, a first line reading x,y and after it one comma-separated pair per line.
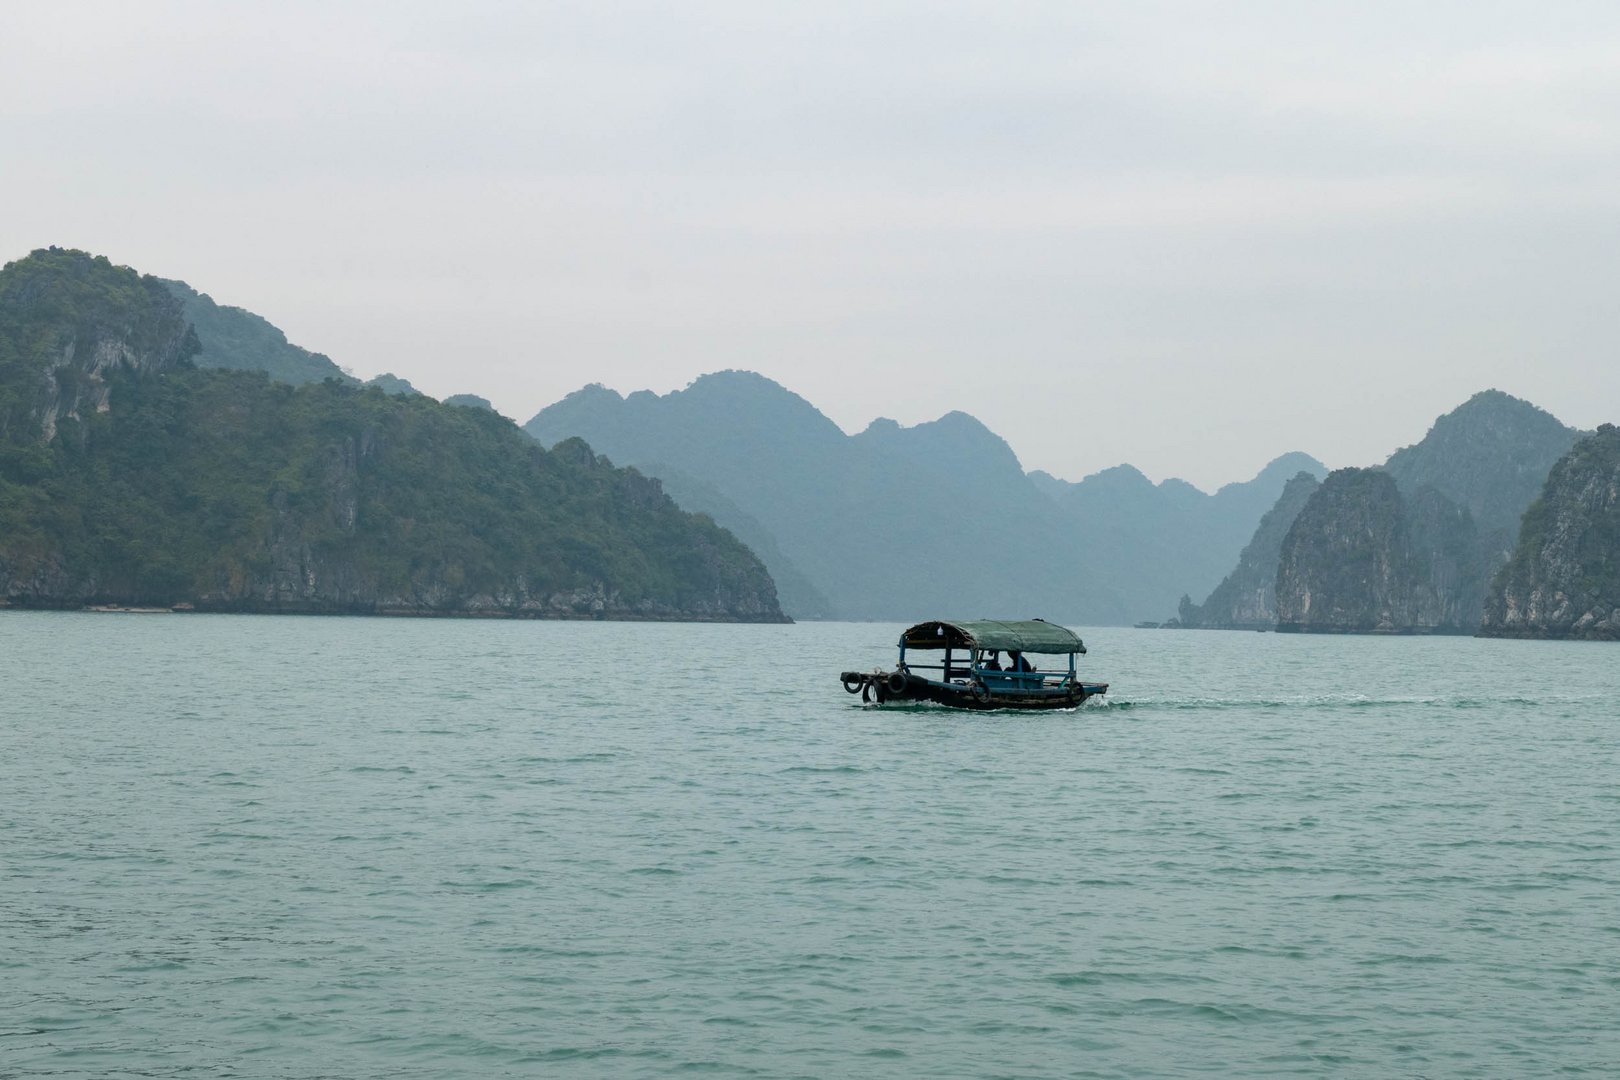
x,y
970,675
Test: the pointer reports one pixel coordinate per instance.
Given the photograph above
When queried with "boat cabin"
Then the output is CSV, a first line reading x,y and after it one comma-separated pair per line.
x,y
1000,654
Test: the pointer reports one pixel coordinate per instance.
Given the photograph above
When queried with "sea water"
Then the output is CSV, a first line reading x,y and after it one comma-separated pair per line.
x,y
307,847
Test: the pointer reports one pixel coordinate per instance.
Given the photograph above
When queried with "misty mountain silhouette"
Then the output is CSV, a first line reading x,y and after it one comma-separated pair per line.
x,y
899,520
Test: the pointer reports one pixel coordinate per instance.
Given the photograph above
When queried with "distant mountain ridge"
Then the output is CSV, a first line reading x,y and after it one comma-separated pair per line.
x,y
937,517
1169,539
872,521
235,339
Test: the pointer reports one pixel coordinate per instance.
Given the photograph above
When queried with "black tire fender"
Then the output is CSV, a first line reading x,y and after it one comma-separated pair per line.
x,y
853,683
981,692
897,681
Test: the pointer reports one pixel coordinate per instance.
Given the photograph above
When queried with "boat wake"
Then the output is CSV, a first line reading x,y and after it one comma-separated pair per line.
x,y
1316,702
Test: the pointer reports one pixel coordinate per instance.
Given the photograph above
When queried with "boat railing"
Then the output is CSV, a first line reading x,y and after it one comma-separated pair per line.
x,y
955,671
1025,680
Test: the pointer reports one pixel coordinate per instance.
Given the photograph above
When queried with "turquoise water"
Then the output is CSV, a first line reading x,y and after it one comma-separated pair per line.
x,y
284,847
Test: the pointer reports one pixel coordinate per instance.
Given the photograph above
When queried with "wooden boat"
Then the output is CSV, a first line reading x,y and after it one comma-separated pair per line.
x,y
971,675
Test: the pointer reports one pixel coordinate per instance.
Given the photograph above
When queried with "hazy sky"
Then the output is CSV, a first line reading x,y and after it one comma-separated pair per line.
x,y
1190,236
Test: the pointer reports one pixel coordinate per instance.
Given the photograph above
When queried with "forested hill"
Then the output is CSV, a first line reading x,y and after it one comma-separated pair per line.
x,y
130,476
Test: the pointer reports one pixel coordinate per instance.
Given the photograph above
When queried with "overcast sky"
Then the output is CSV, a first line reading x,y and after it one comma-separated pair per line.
x,y
1190,236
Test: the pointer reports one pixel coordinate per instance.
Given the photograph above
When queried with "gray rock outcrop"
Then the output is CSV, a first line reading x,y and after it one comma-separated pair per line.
x,y
1247,598
1361,558
1409,548
57,361
1563,580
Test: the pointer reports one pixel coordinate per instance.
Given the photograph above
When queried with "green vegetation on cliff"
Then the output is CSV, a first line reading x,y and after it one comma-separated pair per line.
x,y
225,490
389,383
66,319
1563,580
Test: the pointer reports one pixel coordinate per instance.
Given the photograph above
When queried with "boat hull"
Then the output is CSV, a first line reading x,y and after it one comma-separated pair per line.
x,y
902,688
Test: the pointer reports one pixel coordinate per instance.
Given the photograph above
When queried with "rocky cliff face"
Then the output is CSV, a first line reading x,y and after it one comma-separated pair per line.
x,y
67,322
305,572
1563,580
1361,558
1247,598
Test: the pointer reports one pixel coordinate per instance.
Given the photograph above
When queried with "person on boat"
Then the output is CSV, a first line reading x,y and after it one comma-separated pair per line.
x,y
994,663
1018,662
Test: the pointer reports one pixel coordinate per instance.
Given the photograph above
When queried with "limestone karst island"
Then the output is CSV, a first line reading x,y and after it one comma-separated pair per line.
x,y
158,449
147,459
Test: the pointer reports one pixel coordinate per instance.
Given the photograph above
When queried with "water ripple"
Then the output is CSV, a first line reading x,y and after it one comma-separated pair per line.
x,y
299,848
